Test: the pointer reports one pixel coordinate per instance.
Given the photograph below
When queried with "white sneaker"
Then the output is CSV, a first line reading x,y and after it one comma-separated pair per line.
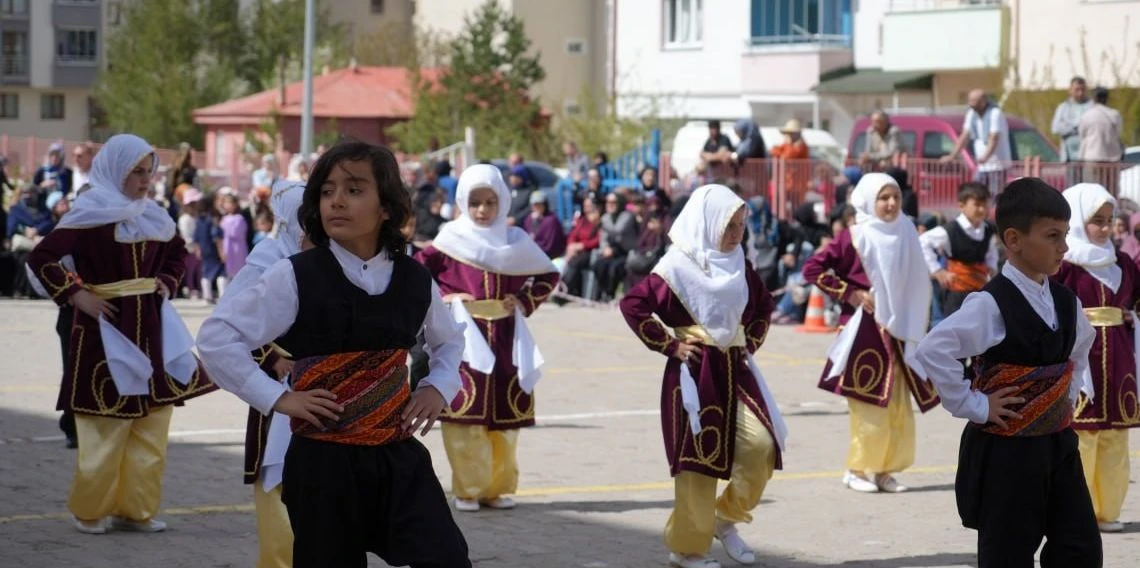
x,y
500,503
888,484
1111,526
680,561
734,546
466,505
147,526
90,527
861,484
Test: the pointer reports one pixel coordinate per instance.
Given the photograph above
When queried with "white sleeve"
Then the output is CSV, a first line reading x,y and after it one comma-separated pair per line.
x,y
972,330
934,242
1082,375
967,123
996,120
443,341
248,320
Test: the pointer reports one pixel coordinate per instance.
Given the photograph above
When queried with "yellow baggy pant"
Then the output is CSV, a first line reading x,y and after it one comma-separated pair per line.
x,y
1104,455
696,508
274,533
120,465
882,439
484,463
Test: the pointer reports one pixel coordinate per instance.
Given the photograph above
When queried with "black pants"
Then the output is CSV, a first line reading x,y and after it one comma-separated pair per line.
x,y
345,500
1016,490
63,330
575,272
609,272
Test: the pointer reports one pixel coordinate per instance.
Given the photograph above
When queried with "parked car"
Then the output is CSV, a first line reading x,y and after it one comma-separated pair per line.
x,y
928,137
542,173
1130,176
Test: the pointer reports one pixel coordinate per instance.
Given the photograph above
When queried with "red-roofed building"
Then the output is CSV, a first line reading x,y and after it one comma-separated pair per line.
x,y
364,101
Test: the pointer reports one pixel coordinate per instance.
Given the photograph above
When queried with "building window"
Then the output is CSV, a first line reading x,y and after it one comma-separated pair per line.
x,y
377,6
51,107
576,46
13,54
570,107
822,22
76,45
14,7
9,105
683,22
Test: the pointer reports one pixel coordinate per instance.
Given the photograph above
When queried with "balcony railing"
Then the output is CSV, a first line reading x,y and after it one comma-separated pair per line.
x,y
829,40
926,5
13,66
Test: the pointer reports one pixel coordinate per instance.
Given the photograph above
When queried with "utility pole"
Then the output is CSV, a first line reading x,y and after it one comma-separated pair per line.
x,y
307,98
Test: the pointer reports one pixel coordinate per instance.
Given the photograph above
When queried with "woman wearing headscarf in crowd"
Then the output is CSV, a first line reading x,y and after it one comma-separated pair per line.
x,y
725,423
54,175
522,186
585,237
876,269
495,276
751,146
619,236
29,221
592,189
544,227
117,259
651,188
429,220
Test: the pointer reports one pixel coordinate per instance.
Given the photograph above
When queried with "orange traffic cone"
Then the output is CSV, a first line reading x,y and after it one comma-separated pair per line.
x,y
814,322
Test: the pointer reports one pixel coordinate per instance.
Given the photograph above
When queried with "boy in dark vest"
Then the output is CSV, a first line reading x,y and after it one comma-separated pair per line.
x,y
1019,471
968,245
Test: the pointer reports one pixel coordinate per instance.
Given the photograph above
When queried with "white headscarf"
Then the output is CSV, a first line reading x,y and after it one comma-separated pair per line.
x,y
892,256
284,201
710,283
1099,260
104,203
498,248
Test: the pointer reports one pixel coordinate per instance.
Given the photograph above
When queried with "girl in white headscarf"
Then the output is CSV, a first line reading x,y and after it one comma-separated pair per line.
x,y
876,270
494,276
713,396
267,437
115,258
1108,285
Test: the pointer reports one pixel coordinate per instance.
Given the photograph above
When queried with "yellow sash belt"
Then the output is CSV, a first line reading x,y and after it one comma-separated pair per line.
x,y
1107,316
701,334
124,288
489,310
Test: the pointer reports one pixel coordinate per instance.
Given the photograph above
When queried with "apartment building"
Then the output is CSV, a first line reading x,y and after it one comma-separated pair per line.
x,y
50,54
730,59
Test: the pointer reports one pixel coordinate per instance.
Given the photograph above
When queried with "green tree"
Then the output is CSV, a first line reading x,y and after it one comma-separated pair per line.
x,y
276,41
487,83
159,71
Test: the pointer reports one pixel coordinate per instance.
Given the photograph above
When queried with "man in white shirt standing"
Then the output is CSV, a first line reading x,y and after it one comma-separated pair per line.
x,y
1066,120
84,153
986,127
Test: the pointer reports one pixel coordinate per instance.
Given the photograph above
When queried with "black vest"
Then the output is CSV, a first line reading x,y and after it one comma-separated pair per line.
x,y
965,249
1029,341
334,316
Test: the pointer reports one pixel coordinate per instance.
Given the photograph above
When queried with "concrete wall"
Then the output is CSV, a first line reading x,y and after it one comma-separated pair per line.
x,y
935,40
1048,36
72,127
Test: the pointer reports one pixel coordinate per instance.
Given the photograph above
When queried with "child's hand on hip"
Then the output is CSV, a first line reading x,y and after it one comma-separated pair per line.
x,y
423,409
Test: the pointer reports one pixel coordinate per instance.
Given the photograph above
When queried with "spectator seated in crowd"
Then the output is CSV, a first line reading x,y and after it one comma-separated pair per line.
x,y
29,221
583,241
544,227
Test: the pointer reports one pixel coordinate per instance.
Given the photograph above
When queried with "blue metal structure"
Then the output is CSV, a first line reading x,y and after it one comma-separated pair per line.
x,y
619,172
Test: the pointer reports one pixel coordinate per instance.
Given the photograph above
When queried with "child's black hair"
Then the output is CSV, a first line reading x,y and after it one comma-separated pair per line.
x,y
1024,201
393,197
973,190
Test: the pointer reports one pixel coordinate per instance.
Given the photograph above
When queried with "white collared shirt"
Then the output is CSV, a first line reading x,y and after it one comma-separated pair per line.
x,y
265,310
974,329
936,242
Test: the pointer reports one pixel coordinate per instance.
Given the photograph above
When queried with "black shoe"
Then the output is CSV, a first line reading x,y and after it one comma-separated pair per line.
x,y
72,443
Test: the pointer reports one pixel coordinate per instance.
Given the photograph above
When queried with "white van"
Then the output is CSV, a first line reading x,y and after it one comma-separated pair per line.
x,y
691,138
